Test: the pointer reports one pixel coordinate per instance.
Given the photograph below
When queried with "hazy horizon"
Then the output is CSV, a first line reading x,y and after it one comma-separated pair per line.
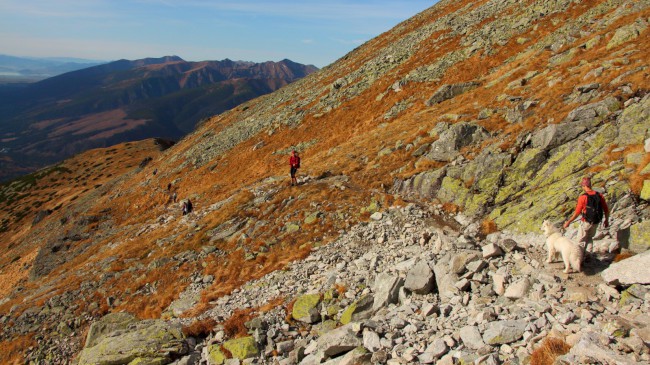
x,y
307,32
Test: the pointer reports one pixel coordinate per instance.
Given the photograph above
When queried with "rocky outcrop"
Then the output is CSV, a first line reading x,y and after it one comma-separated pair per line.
x,y
118,339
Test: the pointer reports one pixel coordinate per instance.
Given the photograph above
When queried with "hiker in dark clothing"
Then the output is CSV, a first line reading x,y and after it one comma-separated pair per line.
x,y
189,206
591,205
294,163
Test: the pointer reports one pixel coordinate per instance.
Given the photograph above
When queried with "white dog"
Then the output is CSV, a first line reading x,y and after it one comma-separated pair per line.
x,y
572,253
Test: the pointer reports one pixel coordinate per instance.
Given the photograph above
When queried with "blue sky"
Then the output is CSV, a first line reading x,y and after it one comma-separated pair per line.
x,y
309,32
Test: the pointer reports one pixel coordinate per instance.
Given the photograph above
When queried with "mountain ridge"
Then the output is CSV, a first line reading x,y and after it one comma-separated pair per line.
x,y
137,99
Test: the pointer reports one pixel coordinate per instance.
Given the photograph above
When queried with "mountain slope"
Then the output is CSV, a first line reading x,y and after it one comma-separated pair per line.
x,y
125,100
494,109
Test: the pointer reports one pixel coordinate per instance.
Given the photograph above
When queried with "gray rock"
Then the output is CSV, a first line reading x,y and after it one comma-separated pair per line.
x,y
589,349
434,351
471,337
459,135
491,250
502,332
146,340
634,270
420,278
106,325
587,88
446,92
371,341
518,289
340,340
386,290
285,347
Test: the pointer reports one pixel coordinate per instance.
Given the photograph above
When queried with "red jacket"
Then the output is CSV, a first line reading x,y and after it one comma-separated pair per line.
x,y
294,161
581,207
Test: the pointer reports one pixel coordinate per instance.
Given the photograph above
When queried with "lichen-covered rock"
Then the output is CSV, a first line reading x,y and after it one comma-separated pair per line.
x,y
107,324
639,240
459,135
242,348
151,340
360,309
305,309
627,33
645,191
215,355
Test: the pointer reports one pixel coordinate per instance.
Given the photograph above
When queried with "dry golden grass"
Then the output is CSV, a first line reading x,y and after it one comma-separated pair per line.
x,y
234,326
548,351
13,350
622,256
488,226
200,328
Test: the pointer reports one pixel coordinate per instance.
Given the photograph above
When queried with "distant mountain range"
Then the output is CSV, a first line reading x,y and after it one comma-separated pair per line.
x,y
49,120
31,69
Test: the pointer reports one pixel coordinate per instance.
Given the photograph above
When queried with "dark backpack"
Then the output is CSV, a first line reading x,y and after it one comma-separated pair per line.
x,y
594,210
298,162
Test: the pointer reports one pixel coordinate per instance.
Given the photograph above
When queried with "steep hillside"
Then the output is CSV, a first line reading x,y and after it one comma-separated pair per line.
x,y
99,106
488,112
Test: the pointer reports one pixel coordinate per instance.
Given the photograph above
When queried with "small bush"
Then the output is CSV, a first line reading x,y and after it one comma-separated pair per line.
x,y
234,326
200,328
488,226
548,351
622,256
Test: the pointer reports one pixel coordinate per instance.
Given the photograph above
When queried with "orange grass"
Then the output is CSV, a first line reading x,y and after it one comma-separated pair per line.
x,y
548,351
234,326
200,328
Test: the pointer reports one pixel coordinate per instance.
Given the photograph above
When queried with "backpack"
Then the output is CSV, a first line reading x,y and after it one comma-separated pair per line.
x,y
298,164
593,210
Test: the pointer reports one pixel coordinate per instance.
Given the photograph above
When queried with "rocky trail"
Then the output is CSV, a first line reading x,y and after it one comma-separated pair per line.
x,y
405,288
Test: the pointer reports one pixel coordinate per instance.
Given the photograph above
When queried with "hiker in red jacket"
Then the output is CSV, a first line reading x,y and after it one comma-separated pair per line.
x,y
591,205
294,163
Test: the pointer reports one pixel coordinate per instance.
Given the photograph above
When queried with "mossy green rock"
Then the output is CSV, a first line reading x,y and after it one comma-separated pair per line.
x,y
291,227
305,309
645,191
312,218
626,34
148,342
242,348
147,361
360,309
107,324
215,355
640,236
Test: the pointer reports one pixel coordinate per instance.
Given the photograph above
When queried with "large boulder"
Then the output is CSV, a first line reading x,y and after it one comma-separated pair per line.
x,y
634,270
109,323
639,240
386,290
305,309
360,309
338,341
420,278
149,341
459,135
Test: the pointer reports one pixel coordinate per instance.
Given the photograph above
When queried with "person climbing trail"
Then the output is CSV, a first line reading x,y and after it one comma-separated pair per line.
x,y
294,163
592,206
